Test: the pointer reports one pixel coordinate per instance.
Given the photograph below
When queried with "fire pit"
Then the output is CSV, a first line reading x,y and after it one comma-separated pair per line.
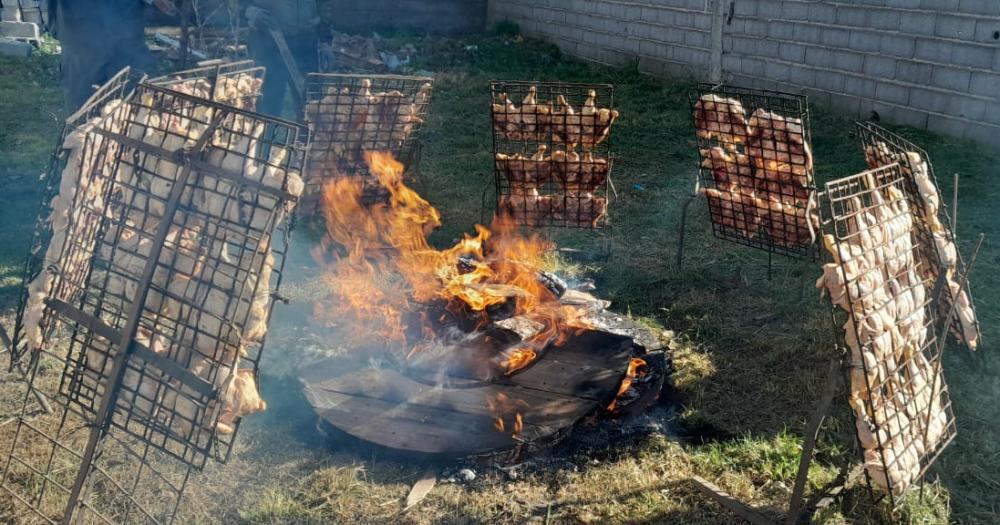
x,y
467,350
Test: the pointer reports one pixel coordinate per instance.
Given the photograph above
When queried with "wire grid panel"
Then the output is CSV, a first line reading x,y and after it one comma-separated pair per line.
x,y
882,147
237,84
106,98
879,250
205,229
129,481
552,152
756,168
349,114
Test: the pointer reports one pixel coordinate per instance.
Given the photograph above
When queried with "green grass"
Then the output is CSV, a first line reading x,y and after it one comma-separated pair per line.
x,y
751,353
29,124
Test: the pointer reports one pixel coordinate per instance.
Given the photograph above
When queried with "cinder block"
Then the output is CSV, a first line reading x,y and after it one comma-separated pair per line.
x,y
698,39
896,94
822,13
972,55
986,29
980,7
755,27
900,115
731,62
859,86
967,107
802,76
830,80
745,8
845,103
913,72
945,5
983,134
916,23
992,113
776,71
834,37
817,96
985,84
806,33
702,21
781,30
751,66
792,52
15,48
765,48
903,4
933,50
946,125
898,46
820,57
867,41
959,27
879,67
849,61
884,19
25,31
795,11
929,100
852,16
951,78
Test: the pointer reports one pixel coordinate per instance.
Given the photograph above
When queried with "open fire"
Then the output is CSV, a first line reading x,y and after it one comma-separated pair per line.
x,y
476,334
385,278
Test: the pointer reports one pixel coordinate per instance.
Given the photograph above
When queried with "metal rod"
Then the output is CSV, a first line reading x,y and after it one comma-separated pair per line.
x,y
812,434
735,506
680,234
954,207
108,401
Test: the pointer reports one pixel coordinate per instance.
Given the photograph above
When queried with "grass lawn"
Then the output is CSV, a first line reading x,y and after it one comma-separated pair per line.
x,y
750,353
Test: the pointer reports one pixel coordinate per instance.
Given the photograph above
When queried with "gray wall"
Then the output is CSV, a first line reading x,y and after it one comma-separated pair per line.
x,y
932,64
432,16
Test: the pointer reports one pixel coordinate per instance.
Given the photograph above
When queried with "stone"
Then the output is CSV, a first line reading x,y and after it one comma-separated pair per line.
x,y
15,48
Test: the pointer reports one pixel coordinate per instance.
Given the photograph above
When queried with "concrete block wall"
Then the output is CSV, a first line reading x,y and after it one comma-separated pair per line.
x,y
435,16
932,64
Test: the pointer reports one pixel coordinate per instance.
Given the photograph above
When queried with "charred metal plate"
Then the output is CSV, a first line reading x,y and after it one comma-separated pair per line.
x,y
458,417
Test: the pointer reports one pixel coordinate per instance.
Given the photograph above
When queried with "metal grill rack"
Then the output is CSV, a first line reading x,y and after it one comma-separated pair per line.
x,y
882,147
349,114
174,251
552,152
872,221
237,84
115,89
756,168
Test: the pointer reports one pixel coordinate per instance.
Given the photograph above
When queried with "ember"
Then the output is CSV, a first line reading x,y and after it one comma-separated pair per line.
x,y
633,372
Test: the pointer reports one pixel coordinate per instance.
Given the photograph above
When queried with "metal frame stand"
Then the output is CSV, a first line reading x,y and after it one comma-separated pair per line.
x,y
797,510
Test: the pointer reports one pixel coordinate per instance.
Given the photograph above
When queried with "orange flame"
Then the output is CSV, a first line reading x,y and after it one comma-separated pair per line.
x,y
630,375
518,359
380,265
504,408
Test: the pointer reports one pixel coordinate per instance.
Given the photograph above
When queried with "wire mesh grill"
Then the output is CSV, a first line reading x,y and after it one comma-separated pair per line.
x,y
237,84
756,168
172,249
106,96
881,147
552,152
349,114
880,250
